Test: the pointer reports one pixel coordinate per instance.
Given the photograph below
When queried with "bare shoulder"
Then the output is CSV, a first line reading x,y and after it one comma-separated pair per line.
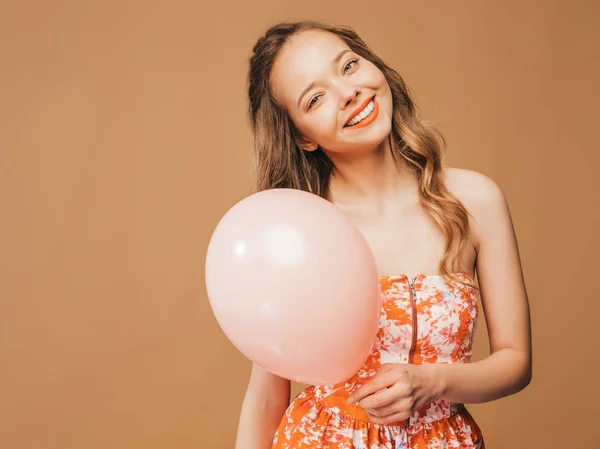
x,y
482,197
472,187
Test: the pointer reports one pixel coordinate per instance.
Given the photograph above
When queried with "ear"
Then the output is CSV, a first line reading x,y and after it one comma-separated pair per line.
x,y
307,145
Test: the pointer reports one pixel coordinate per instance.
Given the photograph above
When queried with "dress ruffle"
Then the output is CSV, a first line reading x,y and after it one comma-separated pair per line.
x,y
328,423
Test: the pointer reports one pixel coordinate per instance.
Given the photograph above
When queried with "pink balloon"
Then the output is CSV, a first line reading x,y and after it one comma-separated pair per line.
x,y
294,286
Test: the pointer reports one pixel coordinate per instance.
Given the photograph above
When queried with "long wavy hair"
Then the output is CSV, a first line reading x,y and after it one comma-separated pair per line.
x,y
280,162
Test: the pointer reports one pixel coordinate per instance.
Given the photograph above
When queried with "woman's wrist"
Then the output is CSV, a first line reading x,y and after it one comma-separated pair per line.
x,y
440,380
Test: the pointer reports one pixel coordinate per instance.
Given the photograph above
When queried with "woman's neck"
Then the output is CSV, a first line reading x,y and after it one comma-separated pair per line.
x,y
373,177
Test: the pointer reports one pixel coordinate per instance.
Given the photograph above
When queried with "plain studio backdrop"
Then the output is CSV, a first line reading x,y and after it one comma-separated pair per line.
x,y
124,139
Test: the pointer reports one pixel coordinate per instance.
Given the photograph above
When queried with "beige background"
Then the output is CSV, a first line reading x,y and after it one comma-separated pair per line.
x,y
124,139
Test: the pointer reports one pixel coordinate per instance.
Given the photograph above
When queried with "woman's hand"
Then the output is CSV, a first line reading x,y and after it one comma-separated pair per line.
x,y
397,391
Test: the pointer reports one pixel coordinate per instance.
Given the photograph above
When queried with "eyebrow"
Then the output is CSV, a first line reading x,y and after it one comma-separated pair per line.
x,y
311,85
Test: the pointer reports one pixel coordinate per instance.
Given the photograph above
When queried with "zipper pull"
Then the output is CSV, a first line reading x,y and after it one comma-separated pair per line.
x,y
411,281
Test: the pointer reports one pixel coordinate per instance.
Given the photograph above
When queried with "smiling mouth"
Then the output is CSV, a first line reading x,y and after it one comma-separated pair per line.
x,y
365,116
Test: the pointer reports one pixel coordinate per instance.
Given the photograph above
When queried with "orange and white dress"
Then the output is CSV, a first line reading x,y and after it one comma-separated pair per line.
x,y
424,319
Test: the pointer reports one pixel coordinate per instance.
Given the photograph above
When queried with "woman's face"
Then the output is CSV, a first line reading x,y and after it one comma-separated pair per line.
x,y
337,100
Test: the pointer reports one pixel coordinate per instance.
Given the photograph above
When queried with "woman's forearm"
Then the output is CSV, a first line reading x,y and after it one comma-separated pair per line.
x,y
503,373
258,423
265,403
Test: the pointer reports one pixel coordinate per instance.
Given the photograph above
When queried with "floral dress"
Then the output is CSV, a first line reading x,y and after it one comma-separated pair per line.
x,y
424,319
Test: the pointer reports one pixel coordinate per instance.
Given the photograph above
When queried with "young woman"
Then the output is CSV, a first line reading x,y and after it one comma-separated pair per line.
x,y
332,118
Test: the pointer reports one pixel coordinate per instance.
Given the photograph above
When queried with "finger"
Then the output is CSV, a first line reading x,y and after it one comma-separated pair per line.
x,y
402,406
383,397
396,417
381,380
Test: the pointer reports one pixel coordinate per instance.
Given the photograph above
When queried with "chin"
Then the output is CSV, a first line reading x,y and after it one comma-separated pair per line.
x,y
368,138
377,134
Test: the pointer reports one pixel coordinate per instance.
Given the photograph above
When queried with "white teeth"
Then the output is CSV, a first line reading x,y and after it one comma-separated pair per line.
x,y
363,114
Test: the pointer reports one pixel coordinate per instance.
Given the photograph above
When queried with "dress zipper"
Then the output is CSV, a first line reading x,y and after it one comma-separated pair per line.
x,y
413,345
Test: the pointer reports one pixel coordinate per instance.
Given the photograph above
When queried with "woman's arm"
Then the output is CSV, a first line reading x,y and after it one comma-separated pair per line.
x,y
508,369
265,402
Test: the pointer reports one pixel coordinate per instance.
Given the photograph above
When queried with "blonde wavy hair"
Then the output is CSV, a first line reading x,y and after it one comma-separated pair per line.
x,y
280,162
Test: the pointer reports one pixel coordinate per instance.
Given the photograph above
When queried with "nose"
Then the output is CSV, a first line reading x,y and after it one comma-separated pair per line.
x,y
348,95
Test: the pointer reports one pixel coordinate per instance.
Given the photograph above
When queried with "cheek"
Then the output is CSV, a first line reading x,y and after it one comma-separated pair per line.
x,y
385,87
372,75
321,124
327,126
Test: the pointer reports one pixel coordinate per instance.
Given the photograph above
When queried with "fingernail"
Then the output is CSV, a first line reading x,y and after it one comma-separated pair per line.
x,y
350,400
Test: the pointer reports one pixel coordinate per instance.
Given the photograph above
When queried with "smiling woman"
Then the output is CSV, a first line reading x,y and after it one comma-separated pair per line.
x,y
328,74
331,118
